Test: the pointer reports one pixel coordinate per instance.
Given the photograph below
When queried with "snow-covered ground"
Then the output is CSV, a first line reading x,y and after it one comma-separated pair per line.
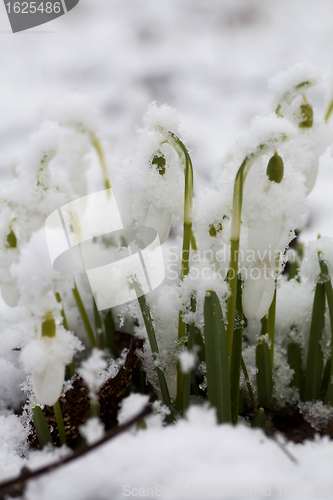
x,y
211,60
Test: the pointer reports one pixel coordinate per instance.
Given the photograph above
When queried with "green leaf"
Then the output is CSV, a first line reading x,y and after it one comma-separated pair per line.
x,y
217,364
42,429
314,364
110,330
236,355
295,363
84,316
259,419
329,295
145,310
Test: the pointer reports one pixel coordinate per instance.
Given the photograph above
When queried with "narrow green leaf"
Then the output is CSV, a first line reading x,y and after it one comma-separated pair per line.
x,y
42,429
60,423
236,355
259,419
145,310
110,330
326,382
100,338
329,295
217,364
295,363
314,364
264,374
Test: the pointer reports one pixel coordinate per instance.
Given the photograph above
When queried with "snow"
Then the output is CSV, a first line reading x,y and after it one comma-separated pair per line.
x,y
131,406
191,458
210,61
91,370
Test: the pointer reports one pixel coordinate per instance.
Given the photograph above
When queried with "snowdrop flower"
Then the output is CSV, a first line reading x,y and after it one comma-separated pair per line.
x,y
46,358
267,239
313,137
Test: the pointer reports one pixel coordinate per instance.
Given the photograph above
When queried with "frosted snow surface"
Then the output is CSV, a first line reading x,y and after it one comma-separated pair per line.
x,y
192,459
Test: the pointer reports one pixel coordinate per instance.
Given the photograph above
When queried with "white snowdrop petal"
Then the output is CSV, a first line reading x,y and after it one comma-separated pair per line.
x,y
47,384
258,293
10,293
159,219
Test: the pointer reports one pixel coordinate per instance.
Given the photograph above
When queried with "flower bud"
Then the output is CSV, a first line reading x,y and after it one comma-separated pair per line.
x,y
275,168
11,240
214,229
48,326
306,116
258,291
159,162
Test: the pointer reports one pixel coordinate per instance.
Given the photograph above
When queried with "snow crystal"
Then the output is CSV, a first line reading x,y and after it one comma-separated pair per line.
x,y
92,430
316,413
131,406
74,110
187,361
91,370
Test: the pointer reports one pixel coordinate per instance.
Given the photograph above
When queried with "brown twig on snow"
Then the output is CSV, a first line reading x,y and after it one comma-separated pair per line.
x,y
15,486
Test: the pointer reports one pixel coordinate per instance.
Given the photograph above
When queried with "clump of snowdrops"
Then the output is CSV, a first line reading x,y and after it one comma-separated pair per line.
x,y
244,317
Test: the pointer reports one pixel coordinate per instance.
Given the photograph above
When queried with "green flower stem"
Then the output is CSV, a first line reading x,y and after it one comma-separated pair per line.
x,y
329,296
185,158
41,427
64,319
187,376
146,314
218,382
60,423
99,150
84,316
234,245
71,367
271,316
271,326
236,221
235,364
329,111
314,365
